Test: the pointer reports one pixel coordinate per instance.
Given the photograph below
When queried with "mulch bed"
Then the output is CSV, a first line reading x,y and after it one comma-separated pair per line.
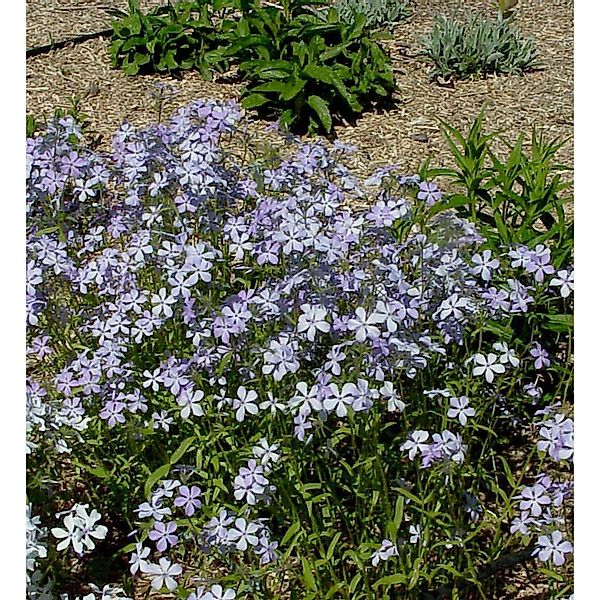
x,y
404,135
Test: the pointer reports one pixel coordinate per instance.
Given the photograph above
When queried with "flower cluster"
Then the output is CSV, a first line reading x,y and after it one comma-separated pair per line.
x,y
176,290
81,529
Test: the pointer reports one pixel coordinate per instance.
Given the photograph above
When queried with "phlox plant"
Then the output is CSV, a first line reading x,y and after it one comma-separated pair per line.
x,y
255,390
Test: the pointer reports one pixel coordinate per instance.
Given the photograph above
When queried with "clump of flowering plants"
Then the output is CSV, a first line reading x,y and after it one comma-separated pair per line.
x,y
240,386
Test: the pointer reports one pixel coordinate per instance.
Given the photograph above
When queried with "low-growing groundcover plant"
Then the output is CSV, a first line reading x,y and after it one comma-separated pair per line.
x,y
476,45
241,387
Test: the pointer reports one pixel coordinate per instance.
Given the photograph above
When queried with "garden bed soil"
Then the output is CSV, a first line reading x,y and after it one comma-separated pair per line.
x,y
404,135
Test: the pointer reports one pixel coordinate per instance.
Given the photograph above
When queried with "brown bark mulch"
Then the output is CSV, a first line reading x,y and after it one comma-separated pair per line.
x,y
404,135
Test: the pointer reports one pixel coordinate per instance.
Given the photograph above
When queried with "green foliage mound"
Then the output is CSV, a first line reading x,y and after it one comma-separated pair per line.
x,y
308,68
478,46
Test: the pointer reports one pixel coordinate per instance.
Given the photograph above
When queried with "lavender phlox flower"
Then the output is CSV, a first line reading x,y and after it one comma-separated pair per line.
x,y
189,400
301,426
113,412
153,379
556,437
162,303
335,357
138,558
497,300
243,533
565,279
540,355
281,357
451,307
166,489
391,312
506,354
305,399
266,453
272,404
383,214
365,327
432,394
519,296
189,499
451,445
414,533
484,265
539,263
416,442
70,535
163,574
266,549
429,192
459,408
553,547
362,395
521,523
488,366
81,529
245,402
162,420
520,255
339,400
385,552
533,499
313,319
217,527
216,592
153,509
163,534
394,401
250,483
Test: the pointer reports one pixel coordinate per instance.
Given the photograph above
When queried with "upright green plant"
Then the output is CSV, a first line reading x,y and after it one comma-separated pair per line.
x,y
310,73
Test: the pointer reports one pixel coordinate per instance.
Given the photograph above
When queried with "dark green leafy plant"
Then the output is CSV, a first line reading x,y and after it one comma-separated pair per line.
x,y
311,74
173,37
477,45
308,71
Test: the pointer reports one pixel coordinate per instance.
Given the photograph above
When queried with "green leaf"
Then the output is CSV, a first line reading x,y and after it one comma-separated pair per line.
x,y
290,533
332,545
183,448
154,477
320,107
292,89
254,100
98,471
323,74
390,580
308,577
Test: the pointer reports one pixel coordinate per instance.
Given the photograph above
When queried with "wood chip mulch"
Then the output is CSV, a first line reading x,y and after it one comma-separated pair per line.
x,y
404,135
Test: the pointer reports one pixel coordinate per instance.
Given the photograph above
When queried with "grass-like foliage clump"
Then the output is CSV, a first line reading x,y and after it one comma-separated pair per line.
x,y
305,67
476,45
239,386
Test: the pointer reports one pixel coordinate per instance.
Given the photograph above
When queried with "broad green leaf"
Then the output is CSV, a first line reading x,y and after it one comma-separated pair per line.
x,y
254,100
320,107
292,89
323,74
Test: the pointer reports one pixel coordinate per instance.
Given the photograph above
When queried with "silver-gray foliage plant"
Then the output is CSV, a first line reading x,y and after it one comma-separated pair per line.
x,y
477,45
378,12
